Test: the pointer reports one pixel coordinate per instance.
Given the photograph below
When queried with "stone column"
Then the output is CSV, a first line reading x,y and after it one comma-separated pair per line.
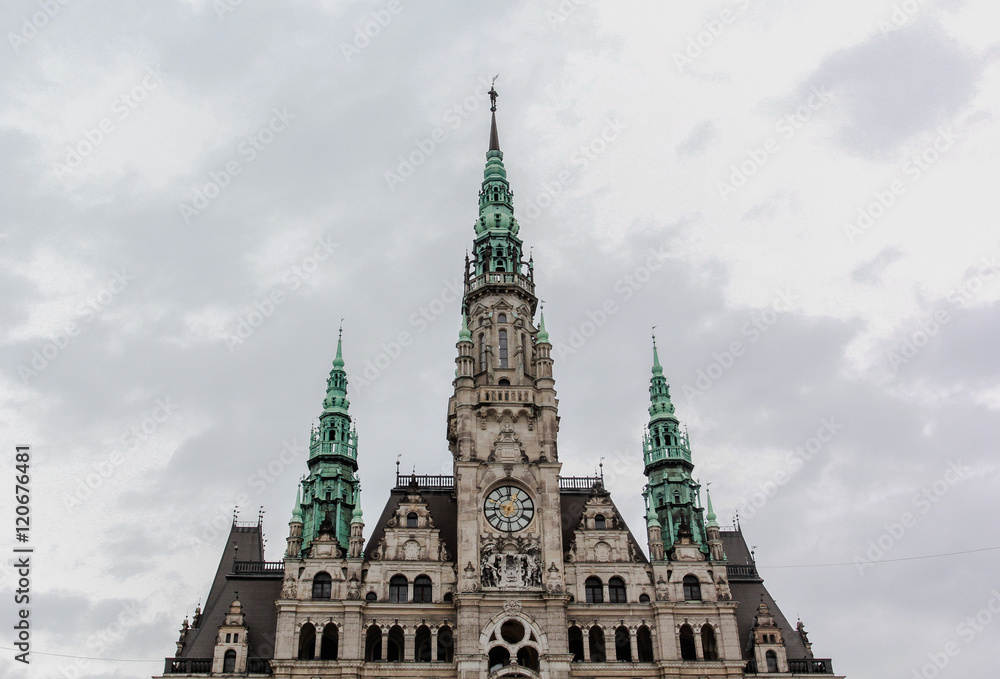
x,y
586,645
434,643
635,645
408,640
319,641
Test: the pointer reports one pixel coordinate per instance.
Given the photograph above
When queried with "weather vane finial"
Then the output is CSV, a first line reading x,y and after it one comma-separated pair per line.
x,y
493,93
340,332
654,336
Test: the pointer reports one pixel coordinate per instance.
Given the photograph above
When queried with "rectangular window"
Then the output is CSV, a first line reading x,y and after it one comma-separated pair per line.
x,y
229,637
503,348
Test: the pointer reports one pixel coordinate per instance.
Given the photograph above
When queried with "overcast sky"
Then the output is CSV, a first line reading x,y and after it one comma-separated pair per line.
x,y
797,195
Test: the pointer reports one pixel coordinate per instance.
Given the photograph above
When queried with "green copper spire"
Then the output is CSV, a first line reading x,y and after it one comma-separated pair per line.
x,y
465,335
673,492
543,336
497,247
330,489
710,515
297,512
358,514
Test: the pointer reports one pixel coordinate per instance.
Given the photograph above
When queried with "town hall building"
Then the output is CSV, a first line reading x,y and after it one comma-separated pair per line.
x,y
505,567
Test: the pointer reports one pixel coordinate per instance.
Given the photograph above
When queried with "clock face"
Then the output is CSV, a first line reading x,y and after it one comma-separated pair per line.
x,y
508,508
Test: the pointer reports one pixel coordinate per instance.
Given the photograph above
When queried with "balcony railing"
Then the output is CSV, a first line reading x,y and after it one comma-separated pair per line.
x,y
742,572
672,452
442,481
578,482
188,666
804,666
500,278
496,395
258,567
204,666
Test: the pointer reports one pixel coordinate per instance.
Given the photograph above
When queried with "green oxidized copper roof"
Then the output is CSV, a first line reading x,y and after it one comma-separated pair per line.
x,y
710,513
297,511
465,335
496,206
543,336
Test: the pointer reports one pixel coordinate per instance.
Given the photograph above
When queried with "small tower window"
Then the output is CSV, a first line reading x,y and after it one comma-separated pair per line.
x,y
411,520
503,348
398,589
422,589
692,588
482,351
600,523
772,661
322,586
502,318
616,591
595,590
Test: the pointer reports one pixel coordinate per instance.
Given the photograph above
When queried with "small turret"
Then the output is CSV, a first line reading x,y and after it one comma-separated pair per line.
x,y
294,541
232,644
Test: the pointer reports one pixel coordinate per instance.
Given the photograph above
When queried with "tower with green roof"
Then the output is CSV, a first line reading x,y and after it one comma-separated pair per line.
x,y
673,493
330,489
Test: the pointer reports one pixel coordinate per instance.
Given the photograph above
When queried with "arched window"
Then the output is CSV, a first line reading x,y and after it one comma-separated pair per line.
x,y
692,588
482,351
502,318
371,596
643,598
687,643
709,649
229,662
600,523
397,589
623,644
447,598
772,661
595,590
322,585
644,644
373,643
504,382
411,520
422,589
576,643
394,649
616,591
498,657
503,348
329,646
422,644
597,652
307,642
445,645
527,656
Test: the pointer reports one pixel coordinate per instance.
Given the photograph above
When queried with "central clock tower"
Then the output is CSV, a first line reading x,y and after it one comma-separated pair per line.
x,y
502,426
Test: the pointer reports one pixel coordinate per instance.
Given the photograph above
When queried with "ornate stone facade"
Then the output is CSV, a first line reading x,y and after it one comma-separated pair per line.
x,y
505,568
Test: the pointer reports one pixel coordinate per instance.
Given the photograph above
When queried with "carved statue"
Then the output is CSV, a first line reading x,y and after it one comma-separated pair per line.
x,y
288,588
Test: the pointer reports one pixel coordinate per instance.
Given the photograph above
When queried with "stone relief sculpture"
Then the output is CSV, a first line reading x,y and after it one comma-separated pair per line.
x,y
515,565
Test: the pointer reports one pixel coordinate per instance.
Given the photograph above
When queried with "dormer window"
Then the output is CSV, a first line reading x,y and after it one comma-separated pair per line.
x,y
600,523
411,520
502,318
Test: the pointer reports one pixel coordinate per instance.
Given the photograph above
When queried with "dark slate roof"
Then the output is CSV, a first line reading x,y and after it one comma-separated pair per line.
x,y
573,503
257,594
749,591
440,503
444,510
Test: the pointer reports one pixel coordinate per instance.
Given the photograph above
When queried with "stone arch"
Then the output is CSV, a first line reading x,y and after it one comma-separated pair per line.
x,y
493,626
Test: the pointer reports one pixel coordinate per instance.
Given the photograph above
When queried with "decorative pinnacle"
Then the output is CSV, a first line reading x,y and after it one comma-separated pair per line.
x,y
657,368
465,335
339,361
543,336
494,137
297,512
710,515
